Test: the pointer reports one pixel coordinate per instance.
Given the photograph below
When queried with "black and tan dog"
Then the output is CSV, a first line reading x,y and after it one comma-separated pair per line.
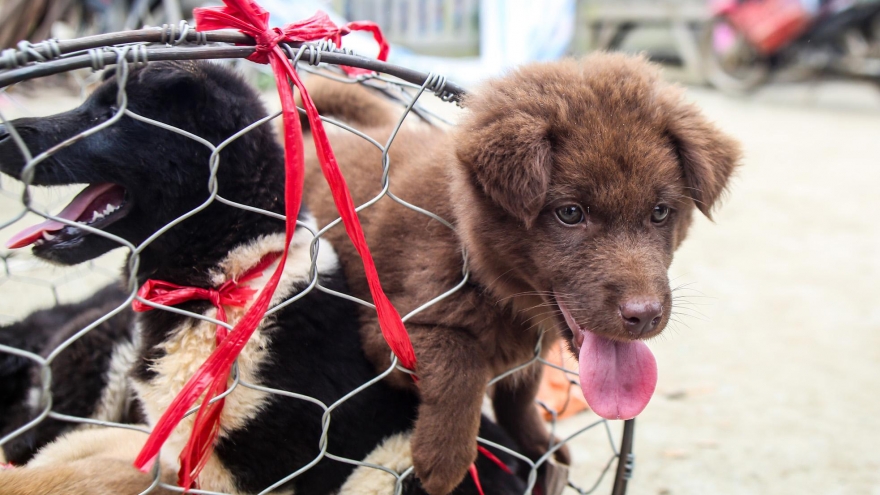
x,y
570,185
140,178
89,378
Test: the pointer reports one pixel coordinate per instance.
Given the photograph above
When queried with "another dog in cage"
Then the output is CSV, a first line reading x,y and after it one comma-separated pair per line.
x,y
141,178
89,378
570,185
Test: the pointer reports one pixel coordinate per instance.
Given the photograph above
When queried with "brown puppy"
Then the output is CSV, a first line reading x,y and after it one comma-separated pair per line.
x,y
570,184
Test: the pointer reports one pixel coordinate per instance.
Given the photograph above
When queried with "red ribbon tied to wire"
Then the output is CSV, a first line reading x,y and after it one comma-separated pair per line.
x,y
251,19
206,426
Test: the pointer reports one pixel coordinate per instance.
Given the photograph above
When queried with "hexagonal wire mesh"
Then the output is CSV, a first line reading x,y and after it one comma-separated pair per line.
x,y
132,48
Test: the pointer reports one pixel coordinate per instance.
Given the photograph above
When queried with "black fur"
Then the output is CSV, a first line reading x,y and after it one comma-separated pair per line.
x,y
200,98
306,361
315,345
79,373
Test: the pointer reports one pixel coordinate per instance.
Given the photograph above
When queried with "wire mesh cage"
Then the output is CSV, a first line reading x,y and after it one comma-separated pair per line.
x,y
26,283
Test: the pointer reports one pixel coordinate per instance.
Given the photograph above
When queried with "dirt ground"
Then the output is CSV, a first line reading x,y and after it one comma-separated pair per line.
x,y
769,383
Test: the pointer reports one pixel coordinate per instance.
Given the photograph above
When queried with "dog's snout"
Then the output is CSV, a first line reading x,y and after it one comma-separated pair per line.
x,y
640,315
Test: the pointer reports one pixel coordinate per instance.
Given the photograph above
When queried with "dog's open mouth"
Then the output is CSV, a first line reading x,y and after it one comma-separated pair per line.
x,y
618,378
98,206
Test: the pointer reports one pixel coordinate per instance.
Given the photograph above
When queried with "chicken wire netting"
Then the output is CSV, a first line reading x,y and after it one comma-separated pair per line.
x,y
27,283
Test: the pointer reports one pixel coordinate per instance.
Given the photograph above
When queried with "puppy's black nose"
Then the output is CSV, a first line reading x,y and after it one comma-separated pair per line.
x,y
640,315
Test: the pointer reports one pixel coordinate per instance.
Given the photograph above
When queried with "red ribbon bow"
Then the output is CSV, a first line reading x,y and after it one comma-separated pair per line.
x,y
249,18
206,426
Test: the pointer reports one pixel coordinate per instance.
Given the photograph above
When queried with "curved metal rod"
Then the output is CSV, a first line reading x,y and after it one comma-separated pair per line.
x,y
157,53
149,35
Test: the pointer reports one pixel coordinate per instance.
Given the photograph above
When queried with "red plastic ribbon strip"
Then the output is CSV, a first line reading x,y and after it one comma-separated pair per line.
x,y
476,477
207,422
249,18
492,457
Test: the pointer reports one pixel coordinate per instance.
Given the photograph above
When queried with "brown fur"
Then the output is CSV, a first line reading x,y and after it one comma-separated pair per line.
x,y
604,133
346,100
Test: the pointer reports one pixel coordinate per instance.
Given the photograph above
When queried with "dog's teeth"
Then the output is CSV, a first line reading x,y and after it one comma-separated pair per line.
x,y
96,216
48,236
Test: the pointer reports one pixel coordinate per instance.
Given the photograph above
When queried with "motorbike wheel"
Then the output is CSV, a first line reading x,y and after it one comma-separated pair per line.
x,y
731,63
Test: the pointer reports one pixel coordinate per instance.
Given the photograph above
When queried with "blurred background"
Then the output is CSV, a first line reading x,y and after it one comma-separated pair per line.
x,y
770,378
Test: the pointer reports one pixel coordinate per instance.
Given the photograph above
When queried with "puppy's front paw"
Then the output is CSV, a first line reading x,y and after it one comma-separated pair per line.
x,y
440,465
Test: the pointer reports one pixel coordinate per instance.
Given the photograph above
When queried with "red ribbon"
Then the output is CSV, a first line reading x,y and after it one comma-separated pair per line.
x,y
206,426
476,477
473,467
489,455
249,18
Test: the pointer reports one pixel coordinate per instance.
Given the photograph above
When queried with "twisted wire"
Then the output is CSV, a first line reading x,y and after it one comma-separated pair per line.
x,y
27,52
15,269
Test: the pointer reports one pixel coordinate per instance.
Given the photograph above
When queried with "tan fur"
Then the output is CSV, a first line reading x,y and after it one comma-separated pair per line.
x,y
394,454
605,133
93,461
189,347
99,460
117,396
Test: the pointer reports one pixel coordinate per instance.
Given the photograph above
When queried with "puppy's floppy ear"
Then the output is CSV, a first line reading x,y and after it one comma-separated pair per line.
x,y
708,156
510,158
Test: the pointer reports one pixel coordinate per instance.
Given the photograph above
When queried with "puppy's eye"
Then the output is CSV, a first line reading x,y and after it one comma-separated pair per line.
x,y
570,214
660,213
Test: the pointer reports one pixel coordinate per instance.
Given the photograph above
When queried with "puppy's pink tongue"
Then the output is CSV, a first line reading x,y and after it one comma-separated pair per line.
x,y
618,379
76,209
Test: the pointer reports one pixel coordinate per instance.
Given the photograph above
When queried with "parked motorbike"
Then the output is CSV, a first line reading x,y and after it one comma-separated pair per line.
x,y
748,40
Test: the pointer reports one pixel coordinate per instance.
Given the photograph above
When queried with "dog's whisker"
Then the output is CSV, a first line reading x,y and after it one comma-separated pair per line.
x,y
552,313
543,305
681,286
689,304
682,323
687,288
546,305
537,324
693,296
699,293
693,316
483,292
688,299
560,295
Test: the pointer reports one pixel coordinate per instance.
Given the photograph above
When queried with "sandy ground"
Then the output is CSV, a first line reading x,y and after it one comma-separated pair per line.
x,y
769,384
